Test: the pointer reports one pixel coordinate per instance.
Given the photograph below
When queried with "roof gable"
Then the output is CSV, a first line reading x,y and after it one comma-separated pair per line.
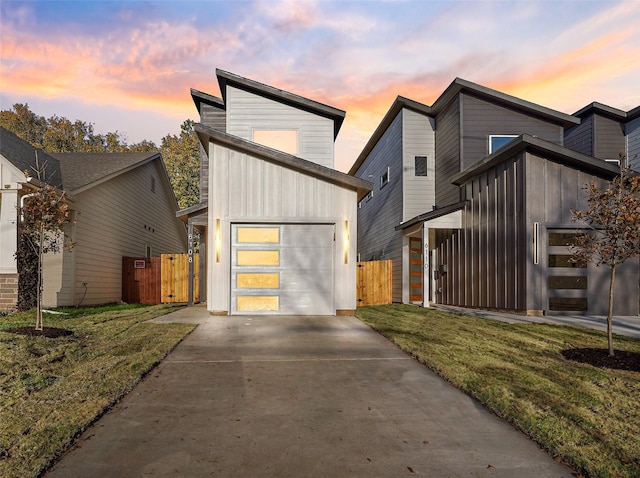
x,y
544,148
81,171
303,166
226,78
508,101
22,155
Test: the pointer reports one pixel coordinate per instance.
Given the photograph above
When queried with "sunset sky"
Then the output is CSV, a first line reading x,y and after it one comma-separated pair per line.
x,y
128,66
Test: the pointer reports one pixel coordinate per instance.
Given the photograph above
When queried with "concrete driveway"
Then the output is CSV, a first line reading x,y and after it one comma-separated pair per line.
x,y
298,397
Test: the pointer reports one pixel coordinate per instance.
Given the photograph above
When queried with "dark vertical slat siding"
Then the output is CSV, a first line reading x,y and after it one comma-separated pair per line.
x,y
378,216
215,118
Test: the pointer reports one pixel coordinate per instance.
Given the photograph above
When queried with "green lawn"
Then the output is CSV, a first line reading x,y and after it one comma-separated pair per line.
x,y
588,416
51,389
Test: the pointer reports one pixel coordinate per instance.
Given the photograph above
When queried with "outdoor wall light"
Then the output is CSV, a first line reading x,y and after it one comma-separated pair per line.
x,y
346,242
217,241
536,237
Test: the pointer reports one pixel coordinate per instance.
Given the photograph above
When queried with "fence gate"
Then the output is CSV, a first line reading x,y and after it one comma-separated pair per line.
x,y
141,280
373,283
175,278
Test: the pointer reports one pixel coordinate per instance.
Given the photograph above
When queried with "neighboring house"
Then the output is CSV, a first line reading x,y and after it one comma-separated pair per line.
x,y
18,168
279,221
464,189
121,204
606,133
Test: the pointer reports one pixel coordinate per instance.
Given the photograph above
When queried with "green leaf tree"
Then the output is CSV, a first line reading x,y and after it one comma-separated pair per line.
x,y
613,222
181,155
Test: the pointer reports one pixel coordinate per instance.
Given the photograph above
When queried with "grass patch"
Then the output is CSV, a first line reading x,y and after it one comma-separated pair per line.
x,y
51,389
589,416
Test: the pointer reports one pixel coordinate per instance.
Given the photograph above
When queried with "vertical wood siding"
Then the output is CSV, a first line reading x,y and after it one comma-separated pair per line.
x,y
609,138
378,216
633,143
251,190
418,139
114,219
247,111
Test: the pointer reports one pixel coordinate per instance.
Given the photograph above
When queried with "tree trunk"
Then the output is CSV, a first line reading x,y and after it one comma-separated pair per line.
x,y
39,319
610,316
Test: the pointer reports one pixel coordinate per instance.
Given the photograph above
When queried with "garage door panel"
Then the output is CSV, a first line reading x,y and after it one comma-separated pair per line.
x,y
284,269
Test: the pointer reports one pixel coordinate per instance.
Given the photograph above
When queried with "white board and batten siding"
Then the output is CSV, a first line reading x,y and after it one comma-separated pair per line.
x,y
247,112
117,218
254,192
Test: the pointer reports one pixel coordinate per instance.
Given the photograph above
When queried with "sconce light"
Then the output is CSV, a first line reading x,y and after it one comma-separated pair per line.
x,y
217,244
536,237
346,242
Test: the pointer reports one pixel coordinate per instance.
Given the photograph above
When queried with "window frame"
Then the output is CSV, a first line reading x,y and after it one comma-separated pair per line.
x,y
492,136
426,166
384,179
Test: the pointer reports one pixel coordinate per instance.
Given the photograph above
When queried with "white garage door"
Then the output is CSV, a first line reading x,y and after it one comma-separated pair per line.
x,y
284,269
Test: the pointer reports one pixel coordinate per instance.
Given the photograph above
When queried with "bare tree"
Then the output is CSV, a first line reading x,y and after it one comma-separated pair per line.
x,y
613,236
43,213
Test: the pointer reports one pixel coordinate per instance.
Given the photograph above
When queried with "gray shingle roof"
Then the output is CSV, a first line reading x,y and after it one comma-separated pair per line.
x,y
82,170
22,155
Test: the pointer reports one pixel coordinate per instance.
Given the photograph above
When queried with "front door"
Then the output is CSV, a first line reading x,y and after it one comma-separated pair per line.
x,y
415,270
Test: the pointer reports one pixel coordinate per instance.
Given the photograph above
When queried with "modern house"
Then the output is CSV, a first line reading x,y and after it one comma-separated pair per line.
x,y
279,221
121,204
472,202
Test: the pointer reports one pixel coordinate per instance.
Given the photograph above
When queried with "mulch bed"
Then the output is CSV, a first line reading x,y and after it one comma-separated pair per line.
x,y
622,360
49,332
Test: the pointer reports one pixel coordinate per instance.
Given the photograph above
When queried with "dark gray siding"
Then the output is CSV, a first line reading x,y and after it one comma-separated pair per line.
x,y
481,119
488,271
216,118
633,144
563,190
580,138
379,215
489,262
608,138
447,153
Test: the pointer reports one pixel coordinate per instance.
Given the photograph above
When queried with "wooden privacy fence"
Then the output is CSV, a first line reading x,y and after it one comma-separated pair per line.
x,y
175,278
373,283
155,280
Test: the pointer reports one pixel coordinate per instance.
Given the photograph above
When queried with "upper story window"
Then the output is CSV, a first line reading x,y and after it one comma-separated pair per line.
x,y
420,166
384,179
153,184
285,140
497,141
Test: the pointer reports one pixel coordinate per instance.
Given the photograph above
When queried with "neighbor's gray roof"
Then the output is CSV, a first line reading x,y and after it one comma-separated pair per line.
x,y
546,149
83,170
291,99
22,155
608,111
310,168
456,87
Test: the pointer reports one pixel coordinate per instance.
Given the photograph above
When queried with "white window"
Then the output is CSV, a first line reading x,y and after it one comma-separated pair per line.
x,y
384,179
285,140
497,141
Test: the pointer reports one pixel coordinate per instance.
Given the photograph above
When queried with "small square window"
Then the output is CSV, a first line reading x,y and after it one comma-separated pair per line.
x,y
420,165
384,179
